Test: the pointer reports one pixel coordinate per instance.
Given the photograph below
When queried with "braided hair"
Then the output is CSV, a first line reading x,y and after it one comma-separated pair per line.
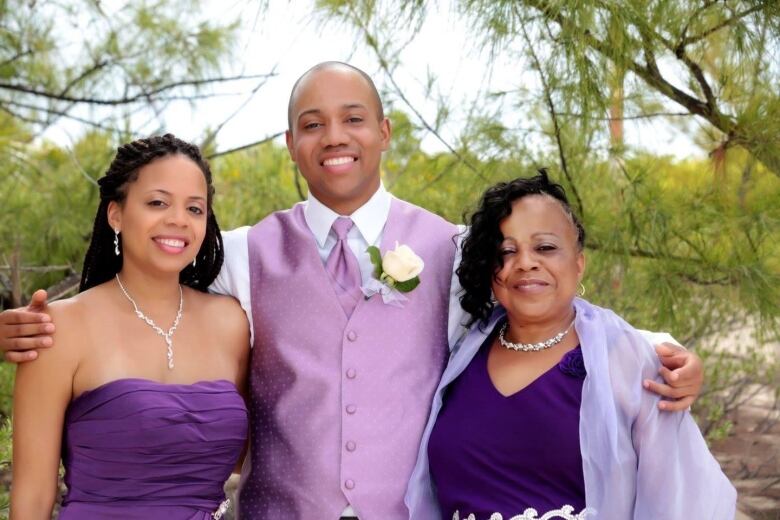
x,y
100,262
481,257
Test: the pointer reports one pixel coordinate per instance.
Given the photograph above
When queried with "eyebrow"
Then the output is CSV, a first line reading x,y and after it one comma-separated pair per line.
x,y
535,235
165,192
347,106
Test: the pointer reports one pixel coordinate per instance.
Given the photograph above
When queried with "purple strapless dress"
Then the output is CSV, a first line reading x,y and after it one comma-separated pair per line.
x,y
135,448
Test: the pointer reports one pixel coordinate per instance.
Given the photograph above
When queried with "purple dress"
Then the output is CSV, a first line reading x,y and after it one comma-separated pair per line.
x,y
491,453
135,448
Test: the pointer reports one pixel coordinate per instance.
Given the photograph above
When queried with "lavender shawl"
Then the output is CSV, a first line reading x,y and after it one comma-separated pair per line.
x,y
638,463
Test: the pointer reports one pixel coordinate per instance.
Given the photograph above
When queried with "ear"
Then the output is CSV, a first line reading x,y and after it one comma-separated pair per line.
x,y
580,265
288,137
386,132
114,215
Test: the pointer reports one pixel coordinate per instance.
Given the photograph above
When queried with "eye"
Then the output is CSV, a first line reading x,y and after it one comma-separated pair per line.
x,y
195,210
504,251
312,126
354,119
546,247
156,203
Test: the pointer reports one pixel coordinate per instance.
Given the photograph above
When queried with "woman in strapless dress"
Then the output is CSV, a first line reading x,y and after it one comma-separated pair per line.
x,y
141,395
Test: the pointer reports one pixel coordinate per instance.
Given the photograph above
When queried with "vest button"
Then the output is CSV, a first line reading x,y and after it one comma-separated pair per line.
x,y
352,335
351,446
351,373
351,409
349,484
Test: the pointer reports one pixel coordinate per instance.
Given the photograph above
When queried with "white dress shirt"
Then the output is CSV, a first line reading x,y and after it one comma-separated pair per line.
x,y
369,220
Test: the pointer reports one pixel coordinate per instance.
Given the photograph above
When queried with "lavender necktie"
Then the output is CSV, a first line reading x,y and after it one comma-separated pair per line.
x,y
343,268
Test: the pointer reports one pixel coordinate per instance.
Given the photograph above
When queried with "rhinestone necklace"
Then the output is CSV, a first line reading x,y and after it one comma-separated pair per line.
x,y
532,347
167,336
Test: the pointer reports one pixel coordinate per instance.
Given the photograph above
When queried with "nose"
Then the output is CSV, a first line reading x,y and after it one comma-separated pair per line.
x,y
525,260
177,216
335,134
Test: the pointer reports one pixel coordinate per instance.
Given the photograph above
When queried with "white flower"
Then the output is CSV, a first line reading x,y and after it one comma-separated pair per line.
x,y
401,264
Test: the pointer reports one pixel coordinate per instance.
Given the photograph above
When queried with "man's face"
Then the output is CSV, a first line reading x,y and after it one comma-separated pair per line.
x,y
337,137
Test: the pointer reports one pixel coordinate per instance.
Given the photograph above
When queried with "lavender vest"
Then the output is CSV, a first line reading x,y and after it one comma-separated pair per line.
x,y
338,406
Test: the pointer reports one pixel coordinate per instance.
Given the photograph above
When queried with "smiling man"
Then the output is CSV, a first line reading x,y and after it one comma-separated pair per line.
x,y
340,383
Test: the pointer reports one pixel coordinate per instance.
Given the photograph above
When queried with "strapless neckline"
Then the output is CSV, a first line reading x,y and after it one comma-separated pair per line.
x,y
124,381
138,448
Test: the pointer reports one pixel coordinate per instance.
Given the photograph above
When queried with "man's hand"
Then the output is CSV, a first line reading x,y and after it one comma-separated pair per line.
x,y
26,329
683,372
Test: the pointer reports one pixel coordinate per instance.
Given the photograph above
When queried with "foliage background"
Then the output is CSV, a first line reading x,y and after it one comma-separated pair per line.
x,y
691,246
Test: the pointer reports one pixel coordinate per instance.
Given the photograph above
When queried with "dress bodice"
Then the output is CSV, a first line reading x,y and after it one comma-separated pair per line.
x,y
490,453
151,450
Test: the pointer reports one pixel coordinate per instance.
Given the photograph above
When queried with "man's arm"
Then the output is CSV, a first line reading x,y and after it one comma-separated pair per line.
x,y
41,395
682,370
24,330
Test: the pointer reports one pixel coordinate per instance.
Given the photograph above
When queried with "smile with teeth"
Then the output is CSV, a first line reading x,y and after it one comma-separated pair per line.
x,y
171,242
336,161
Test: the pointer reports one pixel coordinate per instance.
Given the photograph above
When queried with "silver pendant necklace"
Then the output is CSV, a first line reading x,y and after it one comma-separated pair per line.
x,y
167,336
532,347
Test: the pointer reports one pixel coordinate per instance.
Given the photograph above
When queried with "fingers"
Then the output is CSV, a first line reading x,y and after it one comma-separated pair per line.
x,y
38,300
668,349
676,406
20,357
22,344
28,330
691,371
668,391
21,316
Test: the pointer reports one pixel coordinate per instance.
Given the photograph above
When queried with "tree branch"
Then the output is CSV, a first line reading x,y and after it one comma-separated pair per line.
x,y
685,41
127,99
245,146
358,20
650,74
554,117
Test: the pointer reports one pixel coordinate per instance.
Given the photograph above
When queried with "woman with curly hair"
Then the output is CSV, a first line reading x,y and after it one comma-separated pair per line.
x,y
540,412
142,398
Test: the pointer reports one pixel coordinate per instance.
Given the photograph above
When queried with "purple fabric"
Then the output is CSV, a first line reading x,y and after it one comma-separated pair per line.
x,y
638,462
135,448
338,404
494,454
343,268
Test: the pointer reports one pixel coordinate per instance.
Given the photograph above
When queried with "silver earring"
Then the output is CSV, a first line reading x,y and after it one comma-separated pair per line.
x,y
116,242
194,261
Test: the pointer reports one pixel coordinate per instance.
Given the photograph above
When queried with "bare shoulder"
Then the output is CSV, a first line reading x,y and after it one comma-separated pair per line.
x,y
223,316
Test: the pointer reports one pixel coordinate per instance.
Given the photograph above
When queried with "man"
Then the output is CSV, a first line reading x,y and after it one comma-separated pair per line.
x,y
340,383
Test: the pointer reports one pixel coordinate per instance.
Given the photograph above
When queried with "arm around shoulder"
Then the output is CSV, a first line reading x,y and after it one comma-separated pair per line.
x,y
42,392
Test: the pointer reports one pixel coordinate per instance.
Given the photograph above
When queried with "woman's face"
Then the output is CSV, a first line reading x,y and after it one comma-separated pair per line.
x,y
542,263
162,220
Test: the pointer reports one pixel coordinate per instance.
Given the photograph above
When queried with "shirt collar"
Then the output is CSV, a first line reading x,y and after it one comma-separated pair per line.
x,y
369,218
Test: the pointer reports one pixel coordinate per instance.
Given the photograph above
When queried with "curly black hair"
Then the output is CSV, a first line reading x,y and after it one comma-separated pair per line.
x,y
481,256
100,262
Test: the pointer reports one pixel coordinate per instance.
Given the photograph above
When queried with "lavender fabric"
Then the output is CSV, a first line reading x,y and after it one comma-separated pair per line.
x,y
484,457
638,462
343,268
338,404
135,448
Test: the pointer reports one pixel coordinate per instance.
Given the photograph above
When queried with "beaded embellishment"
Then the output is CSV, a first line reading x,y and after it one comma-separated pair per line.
x,y
221,510
564,513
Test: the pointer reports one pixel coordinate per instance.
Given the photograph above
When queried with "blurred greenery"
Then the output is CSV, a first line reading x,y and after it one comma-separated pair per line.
x,y
690,246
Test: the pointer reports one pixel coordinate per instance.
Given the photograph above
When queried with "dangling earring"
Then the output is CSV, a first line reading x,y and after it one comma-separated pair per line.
x,y
581,290
194,261
116,242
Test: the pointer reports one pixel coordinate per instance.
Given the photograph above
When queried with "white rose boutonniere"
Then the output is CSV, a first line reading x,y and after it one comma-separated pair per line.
x,y
395,273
